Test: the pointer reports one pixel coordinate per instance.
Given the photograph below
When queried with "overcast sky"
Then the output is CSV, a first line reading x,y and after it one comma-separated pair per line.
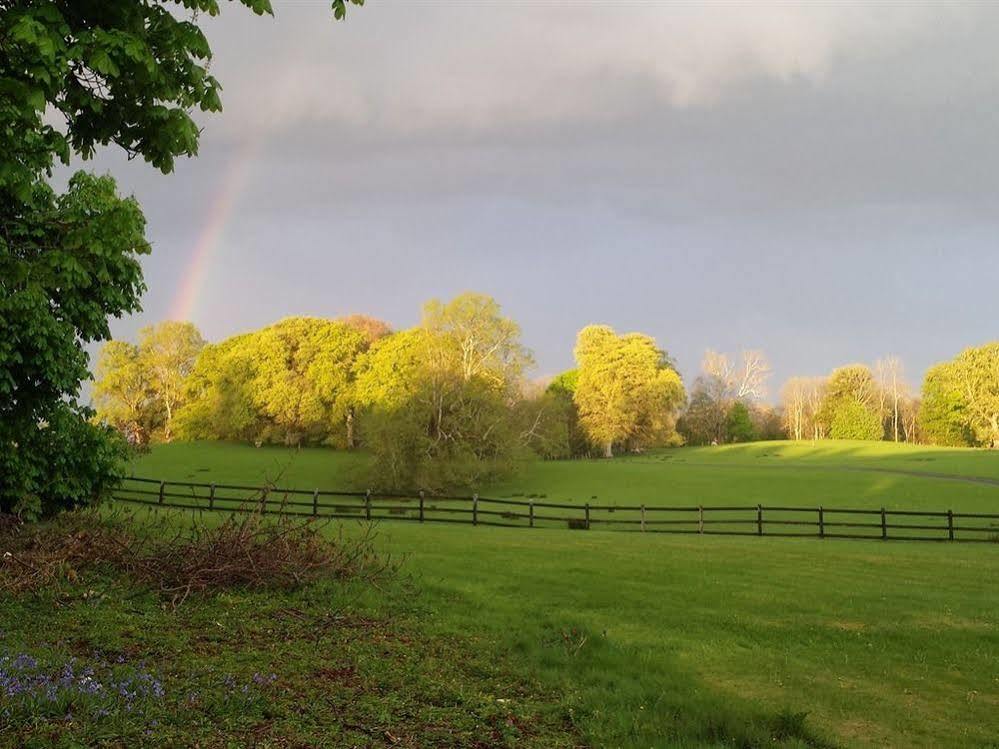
x,y
819,181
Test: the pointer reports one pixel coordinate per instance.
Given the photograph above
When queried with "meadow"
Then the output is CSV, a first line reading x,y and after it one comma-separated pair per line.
x,y
550,637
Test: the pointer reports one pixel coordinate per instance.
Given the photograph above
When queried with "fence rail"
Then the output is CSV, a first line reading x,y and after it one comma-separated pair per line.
x,y
729,520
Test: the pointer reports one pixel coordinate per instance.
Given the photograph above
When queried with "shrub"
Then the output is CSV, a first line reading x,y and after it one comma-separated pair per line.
x,y
60,463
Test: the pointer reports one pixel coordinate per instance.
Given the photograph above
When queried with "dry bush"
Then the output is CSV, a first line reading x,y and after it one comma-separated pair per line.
x,y
246,549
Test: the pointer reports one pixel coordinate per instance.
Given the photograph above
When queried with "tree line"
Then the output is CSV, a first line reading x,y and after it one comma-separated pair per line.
x,y
445,404
449,404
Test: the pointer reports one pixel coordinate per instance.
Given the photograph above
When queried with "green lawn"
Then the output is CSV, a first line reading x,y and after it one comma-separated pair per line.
x,y
632,640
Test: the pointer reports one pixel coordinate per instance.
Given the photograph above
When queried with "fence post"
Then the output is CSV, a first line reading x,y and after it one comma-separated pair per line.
x,y
587,516
211,498
950,524
475,509
367,505
530,512
759,520
822,523
700,518
162,484
422,496
315,502
643,518
884,524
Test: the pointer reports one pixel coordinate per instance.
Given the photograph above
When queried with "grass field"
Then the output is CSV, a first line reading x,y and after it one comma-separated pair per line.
x,y
834,474
628,640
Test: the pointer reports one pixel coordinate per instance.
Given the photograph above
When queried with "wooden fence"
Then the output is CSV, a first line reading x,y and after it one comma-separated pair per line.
x,y
755,520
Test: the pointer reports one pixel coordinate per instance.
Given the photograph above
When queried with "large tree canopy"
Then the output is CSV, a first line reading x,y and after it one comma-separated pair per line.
x,y
75,75
291,383
442,400
627,391
961,399
848,404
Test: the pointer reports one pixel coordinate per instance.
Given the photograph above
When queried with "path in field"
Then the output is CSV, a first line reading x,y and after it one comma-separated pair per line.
x,y
855,469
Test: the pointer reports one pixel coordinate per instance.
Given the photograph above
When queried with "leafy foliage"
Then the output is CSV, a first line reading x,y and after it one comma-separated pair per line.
x,y
123,72
66,264
961,399
139,388
739,423
852,420
291,383
441,399
627,392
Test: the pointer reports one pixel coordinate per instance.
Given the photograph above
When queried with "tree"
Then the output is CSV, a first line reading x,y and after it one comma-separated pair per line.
x,y
794,400
846,388
126,72
768,422
123,393
747,379
892,391
739,424
475,339
444,404
960,399
371,328
801,399
291,382
852,420
560,395
67,263
977,375
720,385
627,392
219,403
167,353
704,419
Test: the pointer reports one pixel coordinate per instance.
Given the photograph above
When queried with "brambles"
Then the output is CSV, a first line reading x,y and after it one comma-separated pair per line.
x,y
244,550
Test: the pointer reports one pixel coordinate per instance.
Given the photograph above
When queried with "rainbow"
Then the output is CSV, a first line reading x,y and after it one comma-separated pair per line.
x,y
233,182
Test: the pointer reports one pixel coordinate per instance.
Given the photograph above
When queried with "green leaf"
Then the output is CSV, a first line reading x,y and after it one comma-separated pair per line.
x,y
101,61
36,98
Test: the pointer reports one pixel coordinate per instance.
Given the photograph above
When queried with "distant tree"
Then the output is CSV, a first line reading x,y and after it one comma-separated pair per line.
x,y
977,376
371,328
743,380
704,419
219,402
943,412
627,392
892,392
768,422
739,424
846,387
391,371
543,417
444,404
852,420
474,338
795,402
815,395
291,382
909,415
802,399
722,383
559,397
167,353
123,392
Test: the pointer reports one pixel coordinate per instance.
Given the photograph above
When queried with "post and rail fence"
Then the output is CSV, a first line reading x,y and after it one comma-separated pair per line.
x,y
730,520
